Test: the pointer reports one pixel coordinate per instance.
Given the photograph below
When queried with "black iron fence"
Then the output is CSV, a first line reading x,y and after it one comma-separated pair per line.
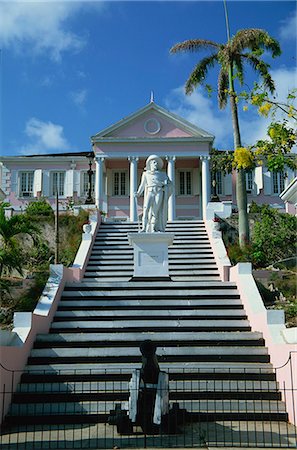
x,y
76,409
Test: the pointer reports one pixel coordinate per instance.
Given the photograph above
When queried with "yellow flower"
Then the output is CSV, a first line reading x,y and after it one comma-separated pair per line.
x,y
243,158
264,109
255,99
245,108
272,133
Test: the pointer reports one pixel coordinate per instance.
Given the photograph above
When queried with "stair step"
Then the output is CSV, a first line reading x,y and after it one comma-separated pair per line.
x,y
96,407
154,303
93,290
118,352
148,314
203,386
157,286
219,338
121,395
173,263
215,368
128,271
42,374
166,325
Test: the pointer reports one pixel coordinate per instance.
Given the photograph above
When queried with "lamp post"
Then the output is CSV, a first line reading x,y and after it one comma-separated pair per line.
x,y
89,199
57,229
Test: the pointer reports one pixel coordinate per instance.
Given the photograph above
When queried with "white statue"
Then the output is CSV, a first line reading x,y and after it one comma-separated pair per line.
x,y
157,188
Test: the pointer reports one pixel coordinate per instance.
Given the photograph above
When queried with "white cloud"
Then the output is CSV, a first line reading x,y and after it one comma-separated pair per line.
x,y
44,137
203,112
79,97
40,27
288,29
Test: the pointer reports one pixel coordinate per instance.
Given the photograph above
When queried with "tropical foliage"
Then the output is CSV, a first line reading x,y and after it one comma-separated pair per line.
x,y
11,252
39,208
274,236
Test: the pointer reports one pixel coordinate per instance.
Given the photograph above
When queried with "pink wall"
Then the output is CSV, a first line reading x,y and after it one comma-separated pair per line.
x,y
278,350
291,209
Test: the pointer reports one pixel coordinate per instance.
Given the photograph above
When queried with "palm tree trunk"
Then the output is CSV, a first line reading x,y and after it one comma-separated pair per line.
x,y
241,195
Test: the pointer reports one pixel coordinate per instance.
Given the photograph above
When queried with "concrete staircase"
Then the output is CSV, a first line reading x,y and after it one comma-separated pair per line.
x,y
219,369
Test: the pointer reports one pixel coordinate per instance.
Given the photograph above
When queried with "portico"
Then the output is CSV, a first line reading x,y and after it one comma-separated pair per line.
x,y
121,150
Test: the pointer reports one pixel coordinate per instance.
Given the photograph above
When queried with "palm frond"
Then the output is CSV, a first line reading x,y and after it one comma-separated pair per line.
x,y
255,39
199,73
223,86
262,68
237,63
193,45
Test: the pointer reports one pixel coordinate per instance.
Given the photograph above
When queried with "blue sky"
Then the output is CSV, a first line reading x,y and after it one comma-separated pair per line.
x,y
69,69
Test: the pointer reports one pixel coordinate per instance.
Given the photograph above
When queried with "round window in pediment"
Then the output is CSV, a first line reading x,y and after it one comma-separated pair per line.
x,y
152,126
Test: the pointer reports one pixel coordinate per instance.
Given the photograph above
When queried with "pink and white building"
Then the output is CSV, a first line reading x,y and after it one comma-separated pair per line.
x,y
119,153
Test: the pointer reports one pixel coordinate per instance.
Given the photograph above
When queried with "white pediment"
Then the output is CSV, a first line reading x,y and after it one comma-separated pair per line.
x,y
152,122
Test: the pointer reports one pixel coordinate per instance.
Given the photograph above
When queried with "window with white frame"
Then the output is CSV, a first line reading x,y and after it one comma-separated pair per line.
x,y
219,182
57,183
85,183
278,182
249,181
120,183
185,182
26,181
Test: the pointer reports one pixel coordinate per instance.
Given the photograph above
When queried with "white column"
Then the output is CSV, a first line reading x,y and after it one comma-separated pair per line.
x,y
171,176
99,161
205,184
133,187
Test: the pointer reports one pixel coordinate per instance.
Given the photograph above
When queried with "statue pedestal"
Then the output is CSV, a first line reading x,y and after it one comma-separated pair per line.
x,y
150,254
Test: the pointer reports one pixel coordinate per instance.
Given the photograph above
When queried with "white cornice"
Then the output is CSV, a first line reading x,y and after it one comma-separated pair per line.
x,y
140,155
43,158
150,140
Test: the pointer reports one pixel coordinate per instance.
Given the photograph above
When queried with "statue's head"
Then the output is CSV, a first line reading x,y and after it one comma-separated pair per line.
x,y
154,158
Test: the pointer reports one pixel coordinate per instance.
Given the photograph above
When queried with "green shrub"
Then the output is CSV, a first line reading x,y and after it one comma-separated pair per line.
x,y
273,237
71,236
39,208
29,300
237,254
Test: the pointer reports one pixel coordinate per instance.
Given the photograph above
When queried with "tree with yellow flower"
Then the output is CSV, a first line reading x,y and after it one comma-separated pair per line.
x,y
245,47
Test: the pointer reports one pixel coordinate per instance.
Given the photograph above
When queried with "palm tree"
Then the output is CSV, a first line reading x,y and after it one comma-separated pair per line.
x,y
246,47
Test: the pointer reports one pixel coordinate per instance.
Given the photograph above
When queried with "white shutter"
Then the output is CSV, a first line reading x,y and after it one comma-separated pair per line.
x,y
69,179
196,184
267,182
108,182
227,184
4,179
45,183
258,180
76,182
14,183
37,183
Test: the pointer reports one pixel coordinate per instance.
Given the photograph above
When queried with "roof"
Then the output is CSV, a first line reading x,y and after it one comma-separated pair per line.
x,y
152,106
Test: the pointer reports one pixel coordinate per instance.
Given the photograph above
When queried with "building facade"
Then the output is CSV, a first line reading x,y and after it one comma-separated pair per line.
x,y
119,154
